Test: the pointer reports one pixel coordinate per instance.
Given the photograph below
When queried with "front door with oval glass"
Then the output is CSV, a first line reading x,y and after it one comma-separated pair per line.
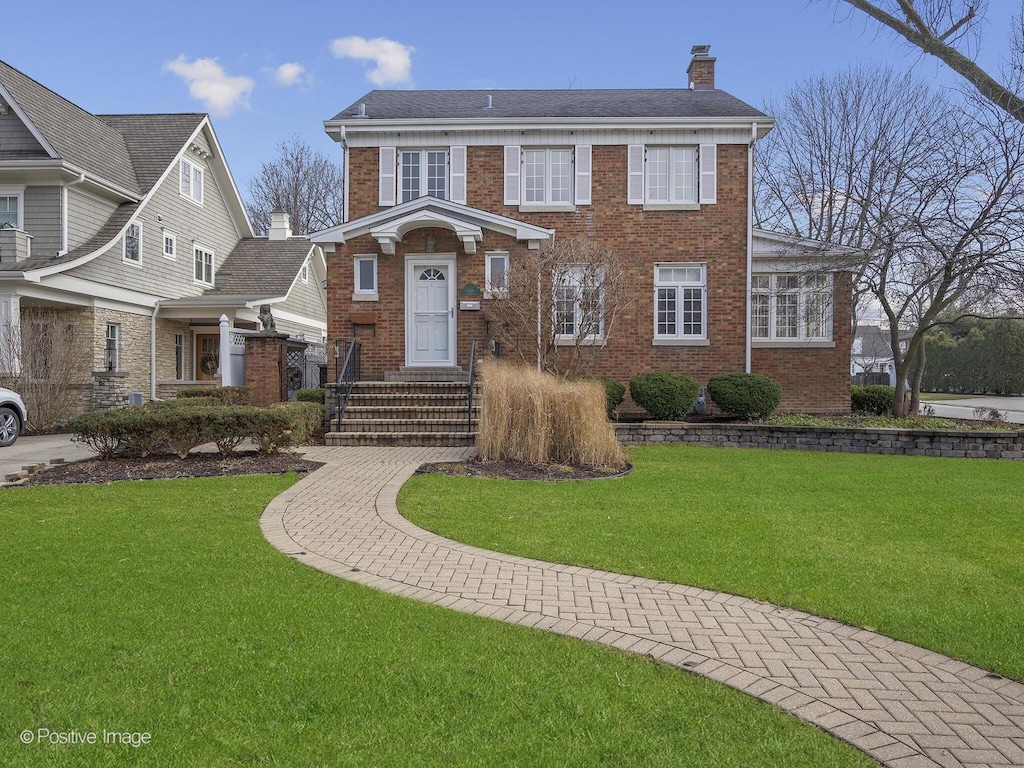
x,y
430,324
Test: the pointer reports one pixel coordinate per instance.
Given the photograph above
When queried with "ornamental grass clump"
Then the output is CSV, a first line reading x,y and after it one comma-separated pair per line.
x,y
535,418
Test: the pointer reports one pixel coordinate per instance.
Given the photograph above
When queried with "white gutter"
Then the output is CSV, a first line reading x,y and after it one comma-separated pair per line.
x,y
152,350
750,243
64,212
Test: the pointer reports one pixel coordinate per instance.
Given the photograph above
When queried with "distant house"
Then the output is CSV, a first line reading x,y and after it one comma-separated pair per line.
x,y
446,189
871,359
129,233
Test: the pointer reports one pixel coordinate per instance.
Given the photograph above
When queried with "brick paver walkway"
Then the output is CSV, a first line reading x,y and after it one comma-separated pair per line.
x,y
903,705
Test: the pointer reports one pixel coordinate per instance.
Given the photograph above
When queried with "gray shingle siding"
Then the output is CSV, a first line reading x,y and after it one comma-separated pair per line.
x,y
16,140
42,219
86,216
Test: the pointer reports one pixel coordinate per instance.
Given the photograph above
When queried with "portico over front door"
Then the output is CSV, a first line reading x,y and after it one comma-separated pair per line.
x,y
430,311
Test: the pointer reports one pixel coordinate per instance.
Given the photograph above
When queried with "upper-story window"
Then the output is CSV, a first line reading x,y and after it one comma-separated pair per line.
x,y
191,181
672,176
408,174
547,176
133,243
203,266
788,307
10,211
423,172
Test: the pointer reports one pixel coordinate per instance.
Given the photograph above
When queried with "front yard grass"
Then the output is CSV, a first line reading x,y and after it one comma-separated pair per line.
x,y
925,550
158,607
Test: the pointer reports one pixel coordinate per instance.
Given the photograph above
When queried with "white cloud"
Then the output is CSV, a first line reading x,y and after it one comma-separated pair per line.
x,y
290,74
393,60
210,84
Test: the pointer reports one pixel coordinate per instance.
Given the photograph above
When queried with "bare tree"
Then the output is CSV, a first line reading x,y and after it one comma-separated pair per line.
x,y
931,189
305,184
559,305
43,359
948,29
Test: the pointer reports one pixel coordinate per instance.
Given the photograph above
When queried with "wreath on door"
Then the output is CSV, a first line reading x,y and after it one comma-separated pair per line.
x,y
208,365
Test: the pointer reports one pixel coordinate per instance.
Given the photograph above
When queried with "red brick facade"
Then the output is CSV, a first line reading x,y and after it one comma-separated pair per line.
x,y
265,366
813,379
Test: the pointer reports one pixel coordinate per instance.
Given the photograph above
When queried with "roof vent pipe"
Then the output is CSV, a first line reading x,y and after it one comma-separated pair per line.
x,y
361,110
488,101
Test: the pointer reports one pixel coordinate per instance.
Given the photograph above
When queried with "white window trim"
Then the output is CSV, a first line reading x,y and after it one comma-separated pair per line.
x,y
423,153
124,245
801,339
364,294
546,204
174,246
213,265
18,192
572,278
679,338
670,203
193,167
489,290
304,273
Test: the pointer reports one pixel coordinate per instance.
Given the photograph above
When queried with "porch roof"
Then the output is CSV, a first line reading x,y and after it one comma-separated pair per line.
x,y
390,225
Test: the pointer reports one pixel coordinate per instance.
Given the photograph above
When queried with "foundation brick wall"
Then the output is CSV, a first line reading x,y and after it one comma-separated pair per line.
x,y
813,380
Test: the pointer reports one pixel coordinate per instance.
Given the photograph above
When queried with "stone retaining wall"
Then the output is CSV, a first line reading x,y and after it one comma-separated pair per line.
x,y
976,444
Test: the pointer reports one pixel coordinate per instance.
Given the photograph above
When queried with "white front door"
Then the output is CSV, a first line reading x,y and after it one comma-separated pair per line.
x,y
430,316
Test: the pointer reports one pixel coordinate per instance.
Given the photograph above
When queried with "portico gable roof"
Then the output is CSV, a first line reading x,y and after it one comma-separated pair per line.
x,y
390,225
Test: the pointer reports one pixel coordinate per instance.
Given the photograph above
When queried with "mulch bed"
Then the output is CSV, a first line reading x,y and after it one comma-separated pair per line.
x,y
507,470
167,467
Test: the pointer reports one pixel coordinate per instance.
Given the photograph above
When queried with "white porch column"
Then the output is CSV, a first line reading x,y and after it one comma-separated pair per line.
x,y
226,380
10,334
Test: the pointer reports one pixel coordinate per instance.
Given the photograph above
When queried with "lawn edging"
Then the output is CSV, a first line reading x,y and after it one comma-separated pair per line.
x,y
974,444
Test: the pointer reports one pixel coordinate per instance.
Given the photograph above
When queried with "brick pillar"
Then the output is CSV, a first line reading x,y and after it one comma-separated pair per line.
x,y
265,366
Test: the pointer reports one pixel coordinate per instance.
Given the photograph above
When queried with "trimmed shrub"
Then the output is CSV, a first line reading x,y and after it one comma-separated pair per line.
x,y
310,396
876,399
747,395
196,402
664,395
534,418
226,395
97,430
305,419
614,392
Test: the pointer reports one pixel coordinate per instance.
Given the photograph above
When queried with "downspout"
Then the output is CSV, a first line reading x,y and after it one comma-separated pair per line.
x,y
750,242
152,350
64,212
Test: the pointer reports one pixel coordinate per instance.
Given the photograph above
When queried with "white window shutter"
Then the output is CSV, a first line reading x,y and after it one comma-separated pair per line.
x,y
457,172
388,165
708,173
511,175
635,193
583,185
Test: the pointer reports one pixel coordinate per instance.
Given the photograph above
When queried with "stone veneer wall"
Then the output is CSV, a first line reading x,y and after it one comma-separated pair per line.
x,y
975,444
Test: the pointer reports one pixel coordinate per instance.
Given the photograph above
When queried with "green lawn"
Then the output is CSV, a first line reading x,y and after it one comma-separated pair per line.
x,y
937,396
158,607
927,550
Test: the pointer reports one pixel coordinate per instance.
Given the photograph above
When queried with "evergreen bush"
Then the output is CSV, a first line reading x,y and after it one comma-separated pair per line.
x,y
746,395
665,395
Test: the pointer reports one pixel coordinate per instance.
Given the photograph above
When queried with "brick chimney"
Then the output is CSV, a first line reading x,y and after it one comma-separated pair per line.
x,y
280,229
701,72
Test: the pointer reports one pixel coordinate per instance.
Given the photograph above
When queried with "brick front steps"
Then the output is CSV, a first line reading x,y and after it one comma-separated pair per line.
x,y
407,413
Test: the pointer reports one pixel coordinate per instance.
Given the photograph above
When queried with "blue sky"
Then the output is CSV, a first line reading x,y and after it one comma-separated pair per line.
x,y
227,57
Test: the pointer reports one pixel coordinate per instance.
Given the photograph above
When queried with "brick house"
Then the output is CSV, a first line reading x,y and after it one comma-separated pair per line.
x,y
446,189
124,239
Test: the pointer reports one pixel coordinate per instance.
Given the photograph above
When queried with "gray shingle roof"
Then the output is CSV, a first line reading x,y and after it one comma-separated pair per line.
x,y
260,267
153,141
78,137
567,103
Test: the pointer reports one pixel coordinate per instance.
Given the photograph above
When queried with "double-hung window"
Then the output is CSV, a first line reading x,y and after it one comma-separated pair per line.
x,y
547,176
111,346
179,356
133,243
190,181
680,301
578,305
496,274
791,307
10,211
423,172
170,245
203,263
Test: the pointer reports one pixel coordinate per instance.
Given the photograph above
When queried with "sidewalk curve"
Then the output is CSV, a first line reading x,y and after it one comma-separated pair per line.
x,y
903,705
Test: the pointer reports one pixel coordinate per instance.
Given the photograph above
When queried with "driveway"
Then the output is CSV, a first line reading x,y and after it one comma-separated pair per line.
x,y
40,450
1012,408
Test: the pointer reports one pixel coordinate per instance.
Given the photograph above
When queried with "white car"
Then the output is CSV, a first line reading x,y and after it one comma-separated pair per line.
x,y
13,416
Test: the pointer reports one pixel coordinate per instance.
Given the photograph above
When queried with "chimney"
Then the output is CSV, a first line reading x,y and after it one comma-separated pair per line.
x,y
701,72
279,227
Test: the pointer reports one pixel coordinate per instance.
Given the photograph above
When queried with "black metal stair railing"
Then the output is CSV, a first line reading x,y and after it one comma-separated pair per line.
x,y
348,375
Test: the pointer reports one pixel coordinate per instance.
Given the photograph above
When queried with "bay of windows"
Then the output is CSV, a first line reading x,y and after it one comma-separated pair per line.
x,y
791,307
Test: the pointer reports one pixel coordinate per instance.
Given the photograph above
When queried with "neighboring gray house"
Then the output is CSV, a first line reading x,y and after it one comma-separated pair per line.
x,y
871,355
128,232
